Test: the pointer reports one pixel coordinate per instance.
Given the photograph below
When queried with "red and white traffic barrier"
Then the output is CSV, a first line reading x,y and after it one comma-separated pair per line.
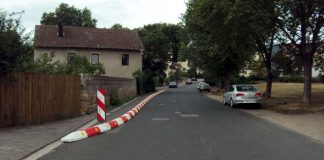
x,y
100,128
101,108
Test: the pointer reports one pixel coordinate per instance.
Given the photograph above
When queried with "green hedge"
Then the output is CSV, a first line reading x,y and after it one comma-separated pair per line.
x,y
299,79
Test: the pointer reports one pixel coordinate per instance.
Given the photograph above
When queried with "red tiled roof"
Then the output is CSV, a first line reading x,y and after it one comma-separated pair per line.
x,y
86,37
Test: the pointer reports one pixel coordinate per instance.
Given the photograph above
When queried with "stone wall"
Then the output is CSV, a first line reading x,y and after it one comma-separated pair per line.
x,y
120,88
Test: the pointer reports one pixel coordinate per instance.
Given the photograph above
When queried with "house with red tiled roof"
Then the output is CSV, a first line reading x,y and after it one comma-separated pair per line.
x,y
118,50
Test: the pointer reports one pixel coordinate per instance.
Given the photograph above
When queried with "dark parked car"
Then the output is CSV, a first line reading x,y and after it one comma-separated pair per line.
x,y
173,85
194,79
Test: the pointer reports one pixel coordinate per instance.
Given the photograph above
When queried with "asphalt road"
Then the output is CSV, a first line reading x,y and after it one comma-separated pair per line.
x,y
183,124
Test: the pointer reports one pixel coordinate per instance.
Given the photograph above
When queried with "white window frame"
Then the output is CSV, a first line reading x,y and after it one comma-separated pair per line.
x,y
90,59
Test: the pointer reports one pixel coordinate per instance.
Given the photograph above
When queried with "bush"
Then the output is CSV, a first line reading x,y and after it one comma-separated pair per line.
x,y
292,79
257,78
114,100
241,80
299,79
321,78
77,65
146,81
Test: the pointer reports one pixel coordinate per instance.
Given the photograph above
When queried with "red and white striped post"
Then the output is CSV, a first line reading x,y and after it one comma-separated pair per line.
x,y
101,109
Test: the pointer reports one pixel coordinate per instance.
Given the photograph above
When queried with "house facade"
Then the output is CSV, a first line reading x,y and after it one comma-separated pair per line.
x,y
120,51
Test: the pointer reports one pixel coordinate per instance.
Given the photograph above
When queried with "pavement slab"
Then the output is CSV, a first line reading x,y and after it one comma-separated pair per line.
x,y
18,142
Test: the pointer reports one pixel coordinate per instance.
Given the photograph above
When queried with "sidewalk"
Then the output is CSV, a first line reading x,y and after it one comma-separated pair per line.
x,y
311,124
19,142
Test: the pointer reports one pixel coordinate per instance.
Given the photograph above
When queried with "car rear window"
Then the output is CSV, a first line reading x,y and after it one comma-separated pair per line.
x,y
245,88
204,84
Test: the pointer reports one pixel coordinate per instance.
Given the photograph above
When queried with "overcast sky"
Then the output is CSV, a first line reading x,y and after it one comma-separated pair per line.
x,y
129,13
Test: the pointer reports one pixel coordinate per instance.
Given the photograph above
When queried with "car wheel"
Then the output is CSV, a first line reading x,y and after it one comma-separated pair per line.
x,y
224,101
232,103
208,90
199,90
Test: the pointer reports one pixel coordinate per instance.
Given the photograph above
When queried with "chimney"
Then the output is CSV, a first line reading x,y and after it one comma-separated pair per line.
x,y
60,30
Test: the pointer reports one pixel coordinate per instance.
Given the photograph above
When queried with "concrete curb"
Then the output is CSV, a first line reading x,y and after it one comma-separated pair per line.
x,y
100,128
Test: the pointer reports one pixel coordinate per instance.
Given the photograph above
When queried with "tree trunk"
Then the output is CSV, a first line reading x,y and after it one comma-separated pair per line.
x,y
268,60
222,82
227,81
267,92
308,64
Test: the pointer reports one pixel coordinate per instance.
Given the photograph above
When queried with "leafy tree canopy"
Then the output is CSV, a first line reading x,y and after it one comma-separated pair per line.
x,y
174,34
156,46
70,16
14,46
219,37
118,26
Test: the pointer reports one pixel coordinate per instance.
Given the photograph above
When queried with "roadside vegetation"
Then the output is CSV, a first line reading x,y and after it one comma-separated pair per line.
x,y
162,43
225,36
221,39
16,46
76,65
286,98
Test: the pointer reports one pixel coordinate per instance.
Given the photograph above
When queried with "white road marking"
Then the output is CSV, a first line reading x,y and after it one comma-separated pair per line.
x,y
160,119
189,115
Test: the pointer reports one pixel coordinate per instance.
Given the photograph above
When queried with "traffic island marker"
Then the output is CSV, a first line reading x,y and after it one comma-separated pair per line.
x,y
106,126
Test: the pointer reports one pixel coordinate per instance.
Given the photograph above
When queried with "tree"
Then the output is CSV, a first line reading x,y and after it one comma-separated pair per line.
x,y
177,74
14,47
118,26
174,34
301,23
218,37
263,31
69,16
156,46
162,44
286,62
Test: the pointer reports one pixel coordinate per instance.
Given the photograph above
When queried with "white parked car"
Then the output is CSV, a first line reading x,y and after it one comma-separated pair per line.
x,y
242,94
203,86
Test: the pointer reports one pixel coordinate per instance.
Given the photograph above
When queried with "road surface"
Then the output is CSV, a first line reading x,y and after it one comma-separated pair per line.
x,y
183,124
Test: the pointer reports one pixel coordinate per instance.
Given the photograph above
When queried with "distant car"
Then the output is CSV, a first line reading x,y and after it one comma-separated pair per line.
x,y
173,85
201,80
193,79
203,86
242,94
188,81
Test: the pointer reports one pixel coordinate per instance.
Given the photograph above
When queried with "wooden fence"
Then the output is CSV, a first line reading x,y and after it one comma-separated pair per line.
x,y
27,98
